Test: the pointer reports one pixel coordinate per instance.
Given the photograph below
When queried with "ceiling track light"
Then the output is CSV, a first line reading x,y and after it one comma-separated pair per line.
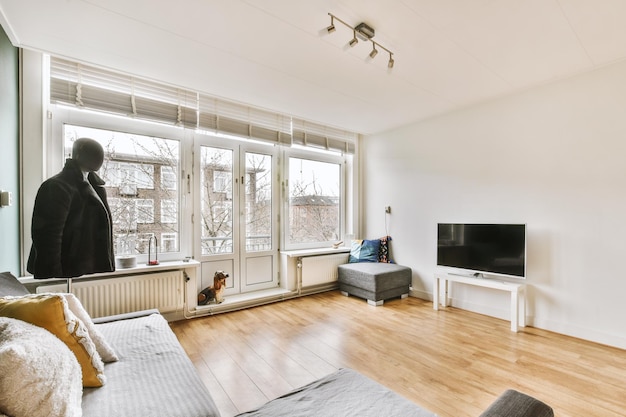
x,y
331,28
374,51
365,32
354,40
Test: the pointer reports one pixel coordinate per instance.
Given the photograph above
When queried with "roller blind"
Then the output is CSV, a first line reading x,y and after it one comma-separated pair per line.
x,y
245,121
307,133
95,88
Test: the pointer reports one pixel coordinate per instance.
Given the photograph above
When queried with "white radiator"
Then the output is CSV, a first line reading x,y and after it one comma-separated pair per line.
x,y
104,297
321,269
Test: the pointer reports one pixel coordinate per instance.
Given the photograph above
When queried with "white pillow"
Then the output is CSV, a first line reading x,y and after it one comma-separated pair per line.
x,y
51,312
39,374
104,349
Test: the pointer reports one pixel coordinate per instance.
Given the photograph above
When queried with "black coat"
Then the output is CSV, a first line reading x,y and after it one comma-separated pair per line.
x,y
71,227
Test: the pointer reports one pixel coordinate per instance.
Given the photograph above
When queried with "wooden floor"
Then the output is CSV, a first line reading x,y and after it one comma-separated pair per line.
x,y
452,362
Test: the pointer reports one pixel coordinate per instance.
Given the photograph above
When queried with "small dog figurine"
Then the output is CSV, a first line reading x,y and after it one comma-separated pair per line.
x,y
215,292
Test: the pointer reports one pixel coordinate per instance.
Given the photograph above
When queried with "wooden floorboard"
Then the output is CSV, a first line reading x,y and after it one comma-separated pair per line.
x,y
452,362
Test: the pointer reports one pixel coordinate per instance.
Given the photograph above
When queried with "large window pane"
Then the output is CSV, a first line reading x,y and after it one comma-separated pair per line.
x,y
314,201
141,205
258,202
216,200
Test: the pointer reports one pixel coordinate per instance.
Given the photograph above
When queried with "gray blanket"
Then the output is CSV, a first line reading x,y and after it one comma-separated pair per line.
x,y
344,393
154,376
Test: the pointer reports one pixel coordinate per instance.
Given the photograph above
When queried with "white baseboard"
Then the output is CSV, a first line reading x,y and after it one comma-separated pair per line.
x,y
567,329
423,295
585,333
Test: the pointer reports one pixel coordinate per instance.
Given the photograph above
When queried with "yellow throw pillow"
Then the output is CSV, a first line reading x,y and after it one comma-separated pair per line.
x,y
51,312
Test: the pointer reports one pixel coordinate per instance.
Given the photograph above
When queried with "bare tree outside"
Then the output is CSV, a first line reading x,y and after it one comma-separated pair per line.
x,y
258,202
313,201
216,200
141,175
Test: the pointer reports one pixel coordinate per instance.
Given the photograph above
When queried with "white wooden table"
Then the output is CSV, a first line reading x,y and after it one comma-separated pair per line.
x,y
518,304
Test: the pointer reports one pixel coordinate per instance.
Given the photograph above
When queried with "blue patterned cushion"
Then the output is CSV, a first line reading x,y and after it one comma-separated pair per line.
x,y
383,252
364,251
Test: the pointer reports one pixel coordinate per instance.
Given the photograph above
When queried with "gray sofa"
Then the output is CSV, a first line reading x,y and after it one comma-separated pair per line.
x,y
154,377
374,281
348,393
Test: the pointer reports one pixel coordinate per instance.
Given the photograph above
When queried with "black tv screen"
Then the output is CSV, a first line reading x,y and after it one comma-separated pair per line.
x,y
489,248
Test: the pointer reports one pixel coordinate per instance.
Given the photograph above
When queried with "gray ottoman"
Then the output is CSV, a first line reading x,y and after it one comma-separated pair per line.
x,y
376,282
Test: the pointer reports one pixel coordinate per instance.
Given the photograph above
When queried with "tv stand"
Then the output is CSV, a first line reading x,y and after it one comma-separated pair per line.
x,y
518,310
474,275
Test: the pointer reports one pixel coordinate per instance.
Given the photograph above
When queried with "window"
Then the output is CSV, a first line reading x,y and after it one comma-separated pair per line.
x,y
168,178
125,243
216,200
128,177
222,182
144,210
129,166
144,176
314,202
169,242
258,202
169,211
143,241
114,205
144,126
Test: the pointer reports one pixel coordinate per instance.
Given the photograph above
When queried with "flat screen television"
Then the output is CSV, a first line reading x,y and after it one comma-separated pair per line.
x,y
498,249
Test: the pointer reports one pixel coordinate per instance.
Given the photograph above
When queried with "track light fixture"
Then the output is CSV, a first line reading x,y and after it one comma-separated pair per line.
x,y
374,51
354,40
331,28
365,32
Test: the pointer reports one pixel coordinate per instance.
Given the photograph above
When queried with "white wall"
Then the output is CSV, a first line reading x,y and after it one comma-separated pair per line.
x,y
554,158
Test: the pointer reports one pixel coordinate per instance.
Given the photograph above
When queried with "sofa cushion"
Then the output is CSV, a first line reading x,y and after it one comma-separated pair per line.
x,y
375,277
383,251
344,393
52,312
105,351
513,403
363,250
9,285
39,375
153,377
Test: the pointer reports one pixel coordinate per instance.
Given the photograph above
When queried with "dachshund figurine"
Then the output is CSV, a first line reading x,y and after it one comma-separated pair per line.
x,y
214,293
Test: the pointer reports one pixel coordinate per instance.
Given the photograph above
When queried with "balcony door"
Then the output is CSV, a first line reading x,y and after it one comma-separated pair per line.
x,y
236,213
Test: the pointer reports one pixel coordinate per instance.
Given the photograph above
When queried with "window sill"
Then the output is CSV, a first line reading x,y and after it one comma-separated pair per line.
x,y
139,269
314,252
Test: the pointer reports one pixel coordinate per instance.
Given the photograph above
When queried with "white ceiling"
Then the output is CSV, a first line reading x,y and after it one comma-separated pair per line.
x,y
277,54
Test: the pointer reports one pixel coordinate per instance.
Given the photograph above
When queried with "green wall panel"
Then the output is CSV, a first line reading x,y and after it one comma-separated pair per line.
x,y
9,155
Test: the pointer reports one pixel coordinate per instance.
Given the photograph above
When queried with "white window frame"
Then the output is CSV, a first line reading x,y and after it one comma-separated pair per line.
x,y
43,154
56,159
321,156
